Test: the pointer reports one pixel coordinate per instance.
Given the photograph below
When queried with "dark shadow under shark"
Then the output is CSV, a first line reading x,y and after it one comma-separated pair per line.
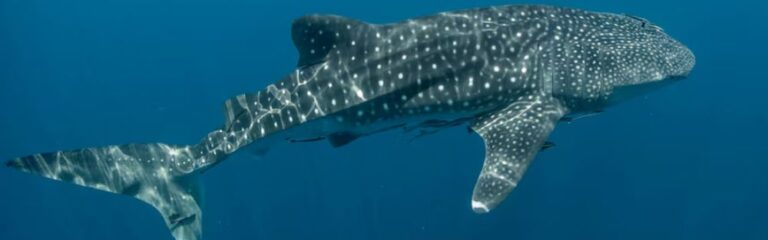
x,y
510,73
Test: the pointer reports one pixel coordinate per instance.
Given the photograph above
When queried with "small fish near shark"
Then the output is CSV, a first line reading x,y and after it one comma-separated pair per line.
x,y
509,73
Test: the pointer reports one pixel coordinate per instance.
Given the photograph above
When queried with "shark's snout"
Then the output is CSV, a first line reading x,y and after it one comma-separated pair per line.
x,y
681,61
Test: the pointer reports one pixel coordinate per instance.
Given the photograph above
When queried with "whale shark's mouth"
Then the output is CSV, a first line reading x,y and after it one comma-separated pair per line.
x,y
677,77
659,78
623,93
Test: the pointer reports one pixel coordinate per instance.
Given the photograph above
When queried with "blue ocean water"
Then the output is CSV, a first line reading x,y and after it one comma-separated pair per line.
x,y
686,162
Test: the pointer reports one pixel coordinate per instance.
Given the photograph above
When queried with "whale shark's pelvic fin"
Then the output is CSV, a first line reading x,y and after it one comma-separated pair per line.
x,y
162,175
513,136
341,139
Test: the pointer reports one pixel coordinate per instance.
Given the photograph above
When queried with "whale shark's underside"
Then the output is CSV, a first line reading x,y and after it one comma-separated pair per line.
x,y
509,73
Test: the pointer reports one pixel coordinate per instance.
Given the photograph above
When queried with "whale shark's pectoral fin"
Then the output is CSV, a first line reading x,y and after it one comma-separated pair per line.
x,y
513,136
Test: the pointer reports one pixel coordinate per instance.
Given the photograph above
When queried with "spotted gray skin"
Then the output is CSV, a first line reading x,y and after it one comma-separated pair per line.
x,y
511,73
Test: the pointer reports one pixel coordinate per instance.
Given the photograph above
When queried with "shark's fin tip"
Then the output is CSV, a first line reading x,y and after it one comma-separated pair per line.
x,y
14,163
479,207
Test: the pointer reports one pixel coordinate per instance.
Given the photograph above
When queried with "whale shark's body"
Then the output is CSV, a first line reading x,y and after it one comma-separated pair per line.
x,y
510,73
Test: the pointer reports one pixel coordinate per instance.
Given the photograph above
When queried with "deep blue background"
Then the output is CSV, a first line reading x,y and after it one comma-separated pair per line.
x,y
686,162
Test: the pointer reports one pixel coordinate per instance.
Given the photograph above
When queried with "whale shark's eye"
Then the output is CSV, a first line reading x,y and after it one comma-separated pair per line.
x,y
644,23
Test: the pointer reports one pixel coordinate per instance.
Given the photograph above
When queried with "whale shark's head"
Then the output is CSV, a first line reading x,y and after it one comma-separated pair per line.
x,y
620,57
638,56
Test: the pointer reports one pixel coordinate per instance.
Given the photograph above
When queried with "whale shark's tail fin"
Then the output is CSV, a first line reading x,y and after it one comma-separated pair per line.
x,y
162,175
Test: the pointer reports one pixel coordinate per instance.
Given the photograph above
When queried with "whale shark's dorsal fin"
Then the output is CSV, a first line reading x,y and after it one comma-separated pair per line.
x,y
513,136
315,36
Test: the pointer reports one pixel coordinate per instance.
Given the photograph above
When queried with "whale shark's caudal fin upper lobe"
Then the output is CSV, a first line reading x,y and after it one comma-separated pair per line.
x,y
161,175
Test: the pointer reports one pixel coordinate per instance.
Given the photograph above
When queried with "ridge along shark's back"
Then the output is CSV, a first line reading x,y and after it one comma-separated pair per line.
x,y
511,73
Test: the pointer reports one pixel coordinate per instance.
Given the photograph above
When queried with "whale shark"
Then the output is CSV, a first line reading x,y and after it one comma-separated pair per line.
x,y
509,74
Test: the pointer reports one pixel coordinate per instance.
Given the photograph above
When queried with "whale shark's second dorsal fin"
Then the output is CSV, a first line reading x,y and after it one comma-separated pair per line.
x,y
315,36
